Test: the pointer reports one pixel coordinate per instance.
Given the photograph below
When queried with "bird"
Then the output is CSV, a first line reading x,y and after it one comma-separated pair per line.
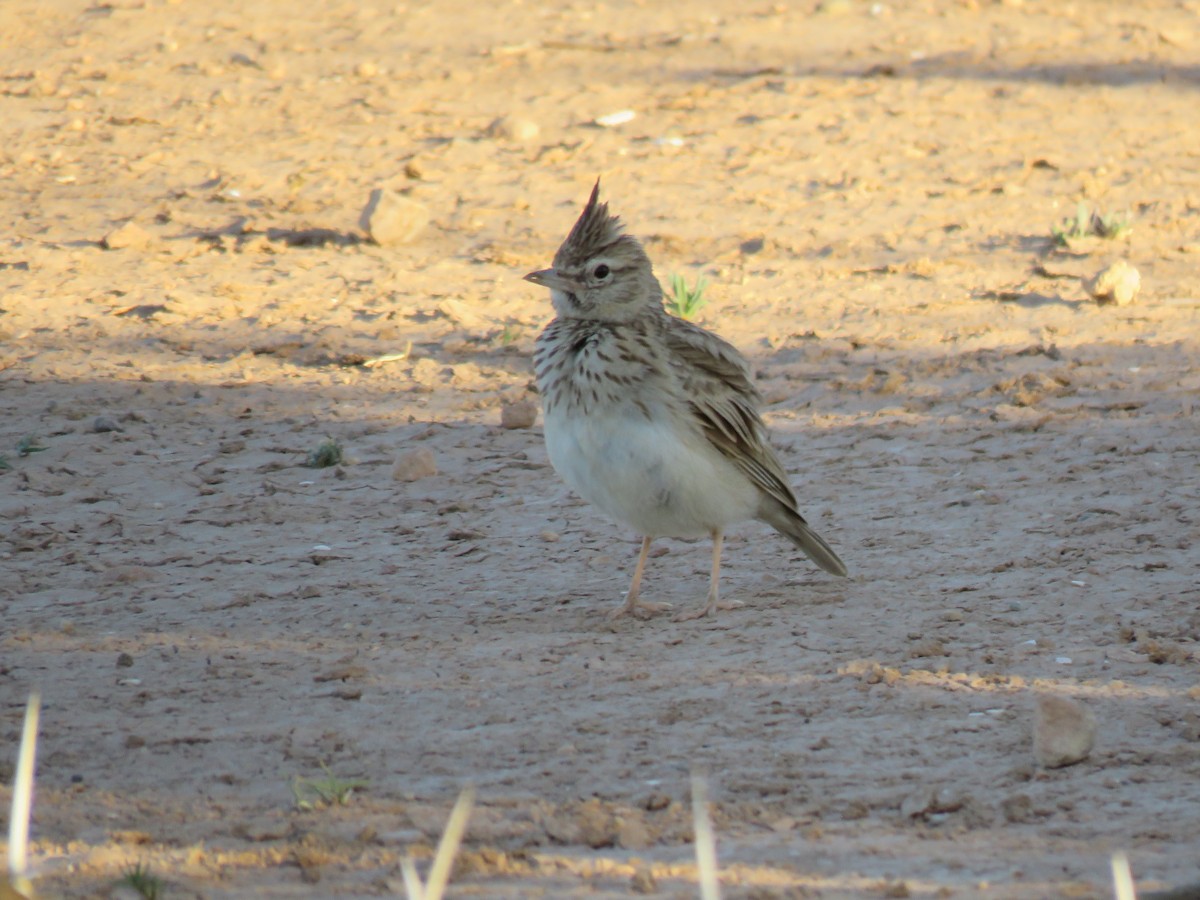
x,y
651,418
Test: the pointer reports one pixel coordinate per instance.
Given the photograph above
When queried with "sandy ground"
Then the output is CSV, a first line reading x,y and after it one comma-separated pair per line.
x,y
1008,468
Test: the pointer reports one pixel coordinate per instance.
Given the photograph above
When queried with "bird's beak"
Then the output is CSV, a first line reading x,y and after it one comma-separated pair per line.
x,y
551,279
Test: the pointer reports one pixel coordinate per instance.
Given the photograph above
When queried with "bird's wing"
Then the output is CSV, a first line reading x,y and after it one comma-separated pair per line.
x,y
716,384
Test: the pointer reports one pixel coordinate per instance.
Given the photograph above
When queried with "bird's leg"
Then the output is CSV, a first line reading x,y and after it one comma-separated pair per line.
x,y
714,593
632,605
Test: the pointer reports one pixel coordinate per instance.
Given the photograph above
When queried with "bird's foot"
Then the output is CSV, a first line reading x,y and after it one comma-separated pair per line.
x,y
639,609
709,609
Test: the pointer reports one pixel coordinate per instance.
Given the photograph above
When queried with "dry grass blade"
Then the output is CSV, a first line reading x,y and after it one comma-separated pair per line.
x,y
1122,877
22,802
447,849
443,860
388,357
412,881
705,841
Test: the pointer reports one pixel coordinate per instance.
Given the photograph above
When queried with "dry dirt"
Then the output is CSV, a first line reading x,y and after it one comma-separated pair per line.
x,y
1008,467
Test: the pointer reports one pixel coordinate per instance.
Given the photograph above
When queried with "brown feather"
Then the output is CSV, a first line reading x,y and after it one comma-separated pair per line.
x,y
716,380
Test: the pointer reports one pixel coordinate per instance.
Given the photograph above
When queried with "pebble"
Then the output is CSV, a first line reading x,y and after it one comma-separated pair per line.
x,y
415,465
129,235
521,414
391,218
1017,809
632,834
1064,731
1118,283
643,882
620,117
514,128
102,424
929,801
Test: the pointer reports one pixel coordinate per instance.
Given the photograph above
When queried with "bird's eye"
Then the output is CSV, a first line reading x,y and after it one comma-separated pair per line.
x,y
601,271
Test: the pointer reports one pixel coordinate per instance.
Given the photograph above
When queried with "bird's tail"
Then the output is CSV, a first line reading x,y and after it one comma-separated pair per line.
x,y
791,525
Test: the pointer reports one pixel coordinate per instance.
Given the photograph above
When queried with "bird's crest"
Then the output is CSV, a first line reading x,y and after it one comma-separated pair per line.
x,y
594,231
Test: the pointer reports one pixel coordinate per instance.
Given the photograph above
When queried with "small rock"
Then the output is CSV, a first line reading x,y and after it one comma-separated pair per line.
x,y
612,120
521,414
632,834
102,424
124,661
597,827
928,647
927,802
1118,283
643,882
655,802
1064,731
514,128
415,465
391,218
562,829
1017,809
366,69
128,235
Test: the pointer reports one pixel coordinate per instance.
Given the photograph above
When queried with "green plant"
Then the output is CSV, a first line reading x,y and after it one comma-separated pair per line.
x,y
28,445
686,302
1090,223
315,793
139,879
1112,226
328,453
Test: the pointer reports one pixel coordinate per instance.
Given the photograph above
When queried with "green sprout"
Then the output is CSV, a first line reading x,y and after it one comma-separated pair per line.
x,y
686,302
140,880
28,445
328,453
316,793
1090,223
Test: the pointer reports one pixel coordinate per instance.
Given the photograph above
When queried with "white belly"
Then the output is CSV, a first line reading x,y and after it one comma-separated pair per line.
x,y
642,473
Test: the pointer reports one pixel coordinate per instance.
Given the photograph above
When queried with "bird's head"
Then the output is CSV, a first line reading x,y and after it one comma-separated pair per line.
x,y
599,272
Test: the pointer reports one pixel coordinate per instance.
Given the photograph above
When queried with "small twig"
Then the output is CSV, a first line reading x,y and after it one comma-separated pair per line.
x,y
387,357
